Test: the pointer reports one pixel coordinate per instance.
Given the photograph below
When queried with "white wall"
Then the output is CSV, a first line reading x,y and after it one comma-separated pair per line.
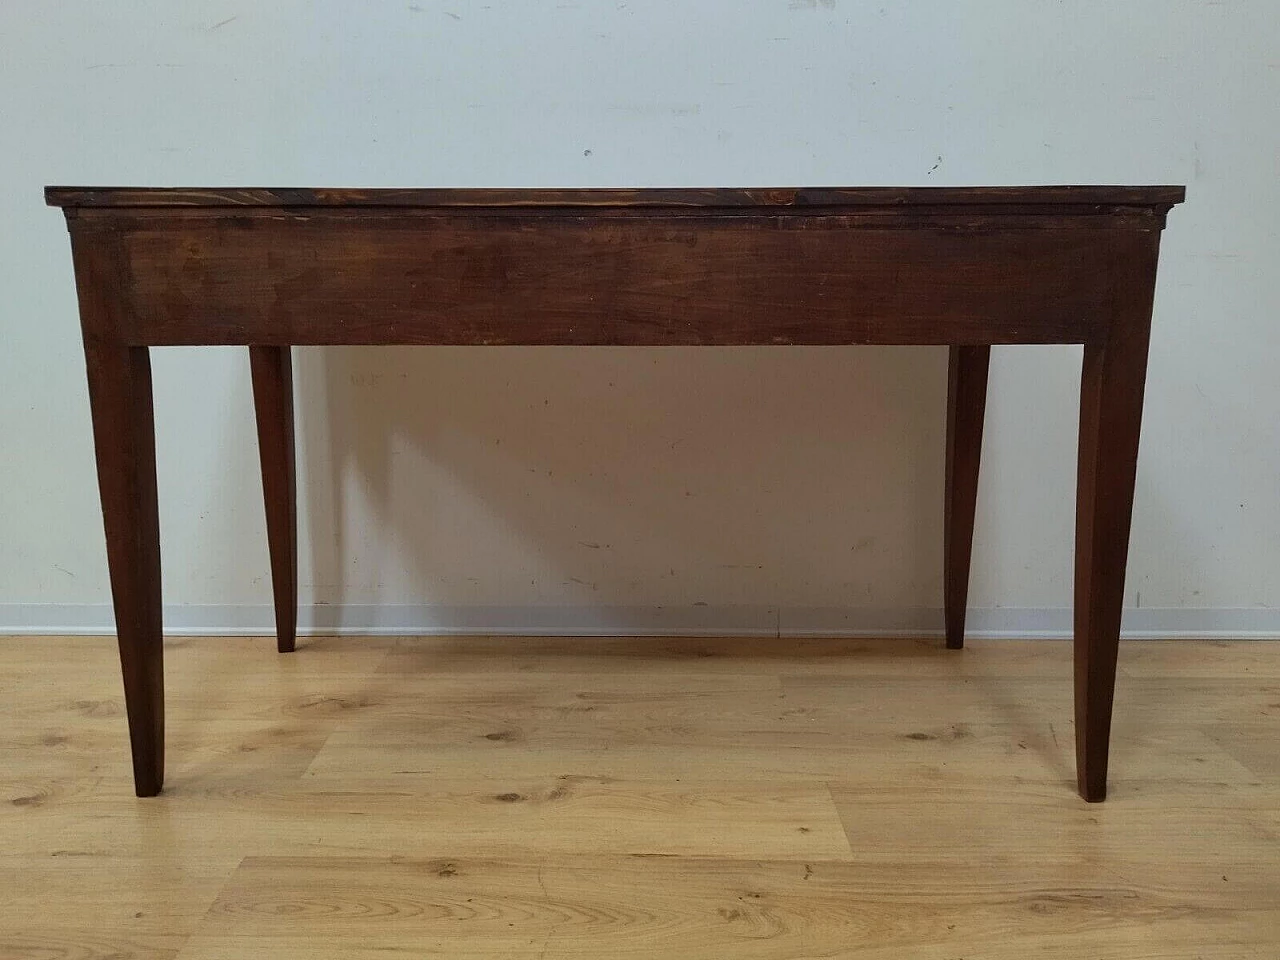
x,y
736,489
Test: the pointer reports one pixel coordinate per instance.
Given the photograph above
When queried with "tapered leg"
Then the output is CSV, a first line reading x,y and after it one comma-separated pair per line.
x,y
966,408
1111,391
124,435
272,372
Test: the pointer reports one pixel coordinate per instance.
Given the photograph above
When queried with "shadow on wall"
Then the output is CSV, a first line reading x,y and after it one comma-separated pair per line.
x,y
606,478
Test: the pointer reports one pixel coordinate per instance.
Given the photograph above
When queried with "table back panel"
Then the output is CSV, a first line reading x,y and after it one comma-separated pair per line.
x,y
353,276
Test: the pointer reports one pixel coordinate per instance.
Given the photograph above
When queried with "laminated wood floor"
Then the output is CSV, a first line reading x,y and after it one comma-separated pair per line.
x,y
581,798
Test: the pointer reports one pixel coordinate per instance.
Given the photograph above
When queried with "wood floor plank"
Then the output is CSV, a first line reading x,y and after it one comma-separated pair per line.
x,y
678,907
563,814
1253,744
228,746
1206,839
655,656
663,760
91,941
1204,659
924,753
79,903
756,798
1009,699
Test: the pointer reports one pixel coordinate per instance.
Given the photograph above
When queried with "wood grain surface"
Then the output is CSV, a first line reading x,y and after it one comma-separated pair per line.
x,y
659,280
1157,197
580,798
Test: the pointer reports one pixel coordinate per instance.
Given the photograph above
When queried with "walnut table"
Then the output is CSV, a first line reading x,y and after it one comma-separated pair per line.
x,y
270,268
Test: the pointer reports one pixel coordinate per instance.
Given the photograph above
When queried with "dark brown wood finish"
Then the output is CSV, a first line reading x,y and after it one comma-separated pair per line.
x,y
124,435
1105,198
272,371
119,379
275,267
966,409
324,278
1111,393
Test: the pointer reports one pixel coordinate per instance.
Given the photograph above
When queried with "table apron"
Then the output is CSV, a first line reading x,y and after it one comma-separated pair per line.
x,y
578,280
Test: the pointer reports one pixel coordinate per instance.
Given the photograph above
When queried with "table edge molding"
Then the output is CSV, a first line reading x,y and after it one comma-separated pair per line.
x,y
1081,199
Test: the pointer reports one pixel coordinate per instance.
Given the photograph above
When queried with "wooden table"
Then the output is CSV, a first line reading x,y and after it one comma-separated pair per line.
x,y
270,268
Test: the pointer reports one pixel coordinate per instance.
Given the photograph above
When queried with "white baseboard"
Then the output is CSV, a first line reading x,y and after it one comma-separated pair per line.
x,y
425,620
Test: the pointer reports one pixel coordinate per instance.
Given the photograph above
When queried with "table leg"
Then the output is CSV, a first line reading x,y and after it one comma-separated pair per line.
x,y
124,436
272,372
966,408
1112,384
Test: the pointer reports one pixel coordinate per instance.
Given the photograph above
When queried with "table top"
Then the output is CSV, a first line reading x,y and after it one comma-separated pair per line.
x,y
1005,199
